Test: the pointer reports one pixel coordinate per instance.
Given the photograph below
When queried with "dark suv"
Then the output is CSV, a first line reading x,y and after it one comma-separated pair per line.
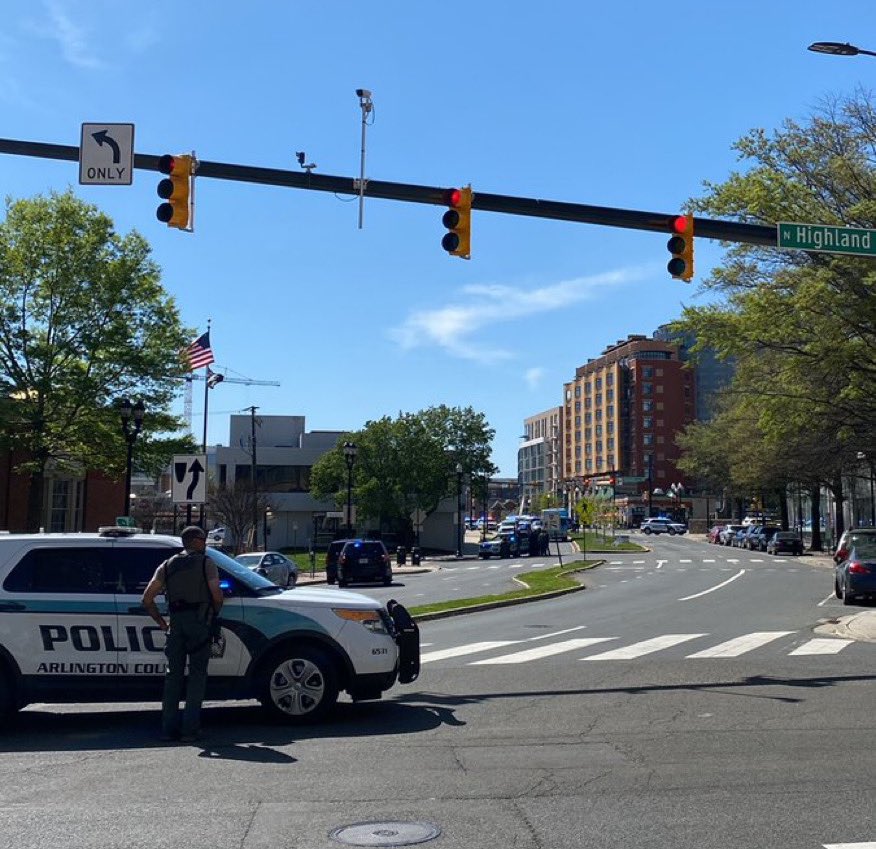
x,y
364,560
333,552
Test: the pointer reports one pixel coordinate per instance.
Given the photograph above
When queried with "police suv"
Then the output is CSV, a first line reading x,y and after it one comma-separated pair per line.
x,y
72,629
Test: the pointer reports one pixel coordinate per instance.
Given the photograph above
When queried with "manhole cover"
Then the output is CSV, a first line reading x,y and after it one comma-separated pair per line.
x,y
385,833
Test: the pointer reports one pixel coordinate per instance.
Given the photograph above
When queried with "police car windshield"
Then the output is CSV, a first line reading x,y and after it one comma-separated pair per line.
x,y
242,574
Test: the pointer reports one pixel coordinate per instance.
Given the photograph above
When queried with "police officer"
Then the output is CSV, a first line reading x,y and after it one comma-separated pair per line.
x,y
190,582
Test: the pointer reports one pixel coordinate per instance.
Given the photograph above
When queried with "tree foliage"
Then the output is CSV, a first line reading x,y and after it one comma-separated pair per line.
x,y
407,464
800,326
84,321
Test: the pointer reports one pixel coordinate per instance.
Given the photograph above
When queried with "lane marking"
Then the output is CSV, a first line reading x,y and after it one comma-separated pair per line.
x,y
660,563
741,645
543,651
822,603
470,648
685,561
821,645
739,574
644,647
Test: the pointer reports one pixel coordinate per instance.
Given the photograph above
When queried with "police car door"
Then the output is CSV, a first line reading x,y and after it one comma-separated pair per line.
x,y
141,642
65,625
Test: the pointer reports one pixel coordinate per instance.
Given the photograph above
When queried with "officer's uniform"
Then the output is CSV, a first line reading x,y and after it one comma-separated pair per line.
x,y
185,577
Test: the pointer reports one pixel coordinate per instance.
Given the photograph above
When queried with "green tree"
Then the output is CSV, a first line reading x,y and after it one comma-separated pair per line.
x,y
406,464
801,326
84,321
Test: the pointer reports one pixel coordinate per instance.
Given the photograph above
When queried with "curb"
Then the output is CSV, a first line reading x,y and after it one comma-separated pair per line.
x,y
860,627
509,602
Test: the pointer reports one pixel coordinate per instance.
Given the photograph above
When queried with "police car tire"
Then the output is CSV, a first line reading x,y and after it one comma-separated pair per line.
x,y
305,667
7,696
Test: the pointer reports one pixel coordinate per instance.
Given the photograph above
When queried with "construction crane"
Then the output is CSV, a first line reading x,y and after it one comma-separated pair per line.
x,y
212,378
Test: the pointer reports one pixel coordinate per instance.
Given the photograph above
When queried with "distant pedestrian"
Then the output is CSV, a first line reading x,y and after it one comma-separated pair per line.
x,y
190,581
545,539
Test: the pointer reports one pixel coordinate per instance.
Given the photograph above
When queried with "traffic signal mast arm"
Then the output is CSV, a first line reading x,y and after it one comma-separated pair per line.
x,y
658,222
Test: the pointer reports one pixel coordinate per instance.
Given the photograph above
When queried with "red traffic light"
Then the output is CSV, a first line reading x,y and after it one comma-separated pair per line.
x,y
452,197
166,163
680,224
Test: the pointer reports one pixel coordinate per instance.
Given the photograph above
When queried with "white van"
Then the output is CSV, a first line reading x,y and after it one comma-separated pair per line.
x,y
72,629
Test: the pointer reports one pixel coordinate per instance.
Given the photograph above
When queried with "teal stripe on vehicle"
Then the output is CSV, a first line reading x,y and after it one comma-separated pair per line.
x,y
273,621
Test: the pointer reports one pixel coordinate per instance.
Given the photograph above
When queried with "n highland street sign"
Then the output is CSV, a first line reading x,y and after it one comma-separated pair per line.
x,y
827,239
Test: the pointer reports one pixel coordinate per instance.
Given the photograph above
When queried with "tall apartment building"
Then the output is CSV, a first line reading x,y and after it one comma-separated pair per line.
x,y
622,411
539,468
711,374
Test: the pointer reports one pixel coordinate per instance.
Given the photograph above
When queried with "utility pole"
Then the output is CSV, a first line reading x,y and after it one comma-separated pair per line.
x,y
255,486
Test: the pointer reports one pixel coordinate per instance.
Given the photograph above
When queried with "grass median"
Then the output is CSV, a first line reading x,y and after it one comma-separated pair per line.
x,y
555,579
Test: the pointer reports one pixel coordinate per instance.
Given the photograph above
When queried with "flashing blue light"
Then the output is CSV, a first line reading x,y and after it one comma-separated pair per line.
x,y
224,585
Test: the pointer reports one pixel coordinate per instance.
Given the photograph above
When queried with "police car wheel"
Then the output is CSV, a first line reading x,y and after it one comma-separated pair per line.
x,y
299,685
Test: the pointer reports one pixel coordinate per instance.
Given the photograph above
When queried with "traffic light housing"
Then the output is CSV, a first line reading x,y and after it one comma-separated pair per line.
x,y
176,190
457,220
681,246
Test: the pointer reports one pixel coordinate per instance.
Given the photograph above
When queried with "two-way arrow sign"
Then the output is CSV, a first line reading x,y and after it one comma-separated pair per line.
x,y
189,485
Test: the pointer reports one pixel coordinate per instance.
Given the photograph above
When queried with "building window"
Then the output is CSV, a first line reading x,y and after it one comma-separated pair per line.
x,y
588,418
648,372
609,395
577,450
647,439
646,423
647,389
588,403
577,406
647,406
589,466
598,383
609,444
609,411
577,436
609,380
588,432
587,389
611,460
599,400
577,421
610,427
577,465
598,430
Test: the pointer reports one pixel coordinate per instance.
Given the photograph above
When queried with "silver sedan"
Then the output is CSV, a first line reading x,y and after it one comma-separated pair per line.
x,y
272,565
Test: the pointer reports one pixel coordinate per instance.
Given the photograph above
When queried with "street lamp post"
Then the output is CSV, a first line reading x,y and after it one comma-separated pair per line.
x,y
131,432
459,509
863,456
350,451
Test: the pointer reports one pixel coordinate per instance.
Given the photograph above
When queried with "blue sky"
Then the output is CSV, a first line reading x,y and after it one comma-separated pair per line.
x,y
626,104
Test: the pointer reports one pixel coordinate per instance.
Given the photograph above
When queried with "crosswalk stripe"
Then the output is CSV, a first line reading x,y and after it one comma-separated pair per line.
x,y
740,645
868,844
470,648
822,645
644,647
543,651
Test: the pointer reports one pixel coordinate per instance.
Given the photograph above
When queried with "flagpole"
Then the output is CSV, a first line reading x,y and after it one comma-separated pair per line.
x,y
206,408
206,394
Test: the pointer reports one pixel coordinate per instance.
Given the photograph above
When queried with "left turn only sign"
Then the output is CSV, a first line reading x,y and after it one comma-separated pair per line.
x,y
189,484
106,155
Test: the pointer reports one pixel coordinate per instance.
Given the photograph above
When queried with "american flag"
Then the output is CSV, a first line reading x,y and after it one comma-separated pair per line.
x,y
199,353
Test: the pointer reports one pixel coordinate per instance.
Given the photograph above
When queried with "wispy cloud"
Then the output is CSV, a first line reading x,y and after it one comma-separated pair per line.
x,y
533,376
70,36
453,327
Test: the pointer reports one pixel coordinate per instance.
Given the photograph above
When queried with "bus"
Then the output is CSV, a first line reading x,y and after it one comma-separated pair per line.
x,y
556,522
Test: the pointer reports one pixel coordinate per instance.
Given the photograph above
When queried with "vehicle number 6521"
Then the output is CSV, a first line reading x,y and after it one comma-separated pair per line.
x,y
379,651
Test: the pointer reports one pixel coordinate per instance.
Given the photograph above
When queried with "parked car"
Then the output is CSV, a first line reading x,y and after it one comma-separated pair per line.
x,y
745,541
845,541
331,559
276,567
782,542
855,573
738,538
364,560
714,534
757,540
216,536
728,532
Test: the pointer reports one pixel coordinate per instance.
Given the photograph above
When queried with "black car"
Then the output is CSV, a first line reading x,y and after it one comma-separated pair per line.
x,y
855,573
364,560
331,559
782,542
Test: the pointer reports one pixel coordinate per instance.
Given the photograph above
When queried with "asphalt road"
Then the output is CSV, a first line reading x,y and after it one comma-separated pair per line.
x,y
682,700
